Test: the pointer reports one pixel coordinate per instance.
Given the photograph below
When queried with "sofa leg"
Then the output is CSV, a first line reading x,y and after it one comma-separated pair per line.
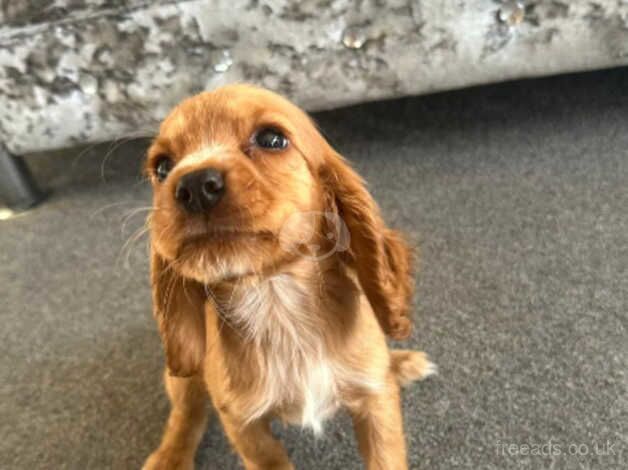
x,y
18,189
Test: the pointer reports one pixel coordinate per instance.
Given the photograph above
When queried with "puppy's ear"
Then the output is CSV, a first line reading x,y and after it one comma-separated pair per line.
x,y
179,308
382,259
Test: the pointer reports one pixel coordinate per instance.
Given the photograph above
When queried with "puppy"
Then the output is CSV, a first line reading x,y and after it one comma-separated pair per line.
x,y
275,283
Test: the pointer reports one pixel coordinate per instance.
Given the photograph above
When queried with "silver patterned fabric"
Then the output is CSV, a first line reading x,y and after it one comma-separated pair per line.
x,y
77,71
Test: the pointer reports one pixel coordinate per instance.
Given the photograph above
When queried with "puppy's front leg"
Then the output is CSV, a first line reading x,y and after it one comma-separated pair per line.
x,y
379,428
186,424
254,442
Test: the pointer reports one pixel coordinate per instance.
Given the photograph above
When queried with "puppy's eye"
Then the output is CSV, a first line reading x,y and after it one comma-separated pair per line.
x,y
163,167
271,139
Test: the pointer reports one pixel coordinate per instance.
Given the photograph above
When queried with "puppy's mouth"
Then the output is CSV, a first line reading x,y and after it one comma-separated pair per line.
x,y
226,235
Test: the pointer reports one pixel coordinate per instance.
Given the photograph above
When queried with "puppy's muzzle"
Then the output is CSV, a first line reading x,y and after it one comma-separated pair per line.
x,y
200,190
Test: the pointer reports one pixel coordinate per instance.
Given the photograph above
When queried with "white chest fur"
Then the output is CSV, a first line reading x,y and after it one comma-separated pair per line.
x,y
283,322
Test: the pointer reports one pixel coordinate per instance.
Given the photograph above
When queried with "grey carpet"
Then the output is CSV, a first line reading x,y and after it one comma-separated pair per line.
x,y
517,195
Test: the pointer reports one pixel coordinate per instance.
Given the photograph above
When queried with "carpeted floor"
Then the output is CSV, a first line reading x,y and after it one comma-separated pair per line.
x,y
518,197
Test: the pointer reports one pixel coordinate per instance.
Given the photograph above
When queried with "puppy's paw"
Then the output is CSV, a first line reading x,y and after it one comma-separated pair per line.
x,y
165,459
410,366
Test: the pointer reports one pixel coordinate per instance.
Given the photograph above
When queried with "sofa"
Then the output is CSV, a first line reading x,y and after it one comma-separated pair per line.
x,y
83,71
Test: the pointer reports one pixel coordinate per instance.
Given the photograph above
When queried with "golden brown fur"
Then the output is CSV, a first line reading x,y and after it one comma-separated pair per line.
x,y
267,316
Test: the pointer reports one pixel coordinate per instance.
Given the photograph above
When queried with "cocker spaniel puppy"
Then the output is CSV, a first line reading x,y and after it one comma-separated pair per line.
x,y
275,283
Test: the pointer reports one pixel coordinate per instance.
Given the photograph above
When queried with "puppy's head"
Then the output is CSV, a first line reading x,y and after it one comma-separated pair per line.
x,y
233,173
228,169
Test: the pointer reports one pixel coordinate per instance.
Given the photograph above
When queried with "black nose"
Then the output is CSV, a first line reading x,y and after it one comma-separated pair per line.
x,y
200,190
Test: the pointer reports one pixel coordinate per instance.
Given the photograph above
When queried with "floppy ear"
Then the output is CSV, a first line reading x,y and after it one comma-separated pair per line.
x,y
382,259
179,308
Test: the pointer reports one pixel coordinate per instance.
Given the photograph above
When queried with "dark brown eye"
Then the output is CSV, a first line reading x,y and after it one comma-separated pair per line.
x,y
162,168
272,139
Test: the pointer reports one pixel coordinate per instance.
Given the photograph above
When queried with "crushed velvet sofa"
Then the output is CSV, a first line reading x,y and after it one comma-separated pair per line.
x,y
79,71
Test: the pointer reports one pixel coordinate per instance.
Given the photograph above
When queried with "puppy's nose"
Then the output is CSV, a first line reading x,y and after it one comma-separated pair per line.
x,y
200,190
